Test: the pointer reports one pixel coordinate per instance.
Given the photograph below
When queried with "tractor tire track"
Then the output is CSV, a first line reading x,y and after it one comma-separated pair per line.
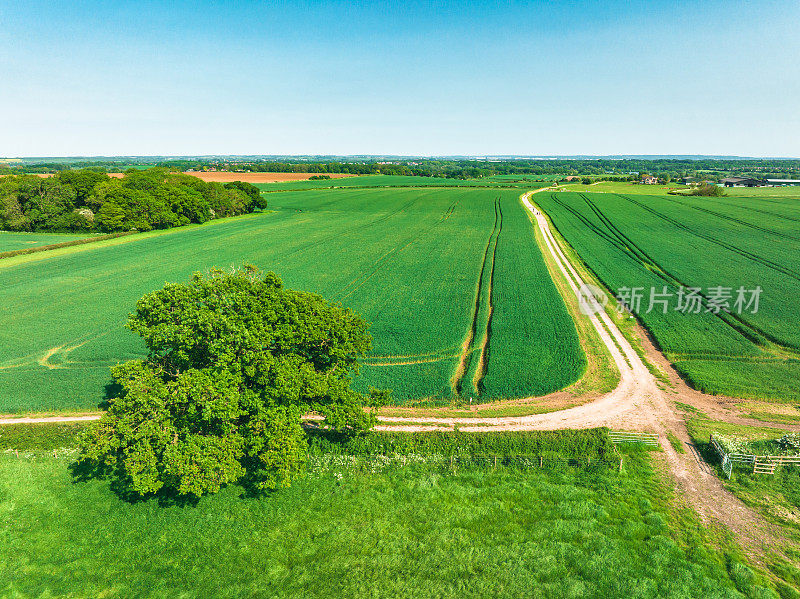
x,y
485,347
467,348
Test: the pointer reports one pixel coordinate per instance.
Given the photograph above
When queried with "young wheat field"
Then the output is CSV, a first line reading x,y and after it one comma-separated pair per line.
x,y
459,297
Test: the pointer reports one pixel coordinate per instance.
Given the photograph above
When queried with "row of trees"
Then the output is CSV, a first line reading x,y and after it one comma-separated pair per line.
x,y
87,200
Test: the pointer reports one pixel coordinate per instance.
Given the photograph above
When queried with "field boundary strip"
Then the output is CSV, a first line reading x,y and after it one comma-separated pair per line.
x,y
63,244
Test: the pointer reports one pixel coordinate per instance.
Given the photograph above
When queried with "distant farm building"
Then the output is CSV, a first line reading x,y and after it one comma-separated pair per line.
x,y
688,180
649,180
741,182
780,182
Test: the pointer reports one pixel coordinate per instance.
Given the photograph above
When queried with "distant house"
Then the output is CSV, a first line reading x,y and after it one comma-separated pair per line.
x,y
781,182
741,182
688,181
649,180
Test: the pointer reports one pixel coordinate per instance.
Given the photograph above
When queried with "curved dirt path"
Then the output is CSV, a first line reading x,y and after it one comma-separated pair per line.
x,y
637,403
624,407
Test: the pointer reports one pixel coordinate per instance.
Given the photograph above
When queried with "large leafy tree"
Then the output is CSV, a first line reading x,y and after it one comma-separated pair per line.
x,y
235,360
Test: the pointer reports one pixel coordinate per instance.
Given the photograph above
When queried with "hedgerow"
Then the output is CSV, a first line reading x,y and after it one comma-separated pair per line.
x,y
40,436
63,244
565,443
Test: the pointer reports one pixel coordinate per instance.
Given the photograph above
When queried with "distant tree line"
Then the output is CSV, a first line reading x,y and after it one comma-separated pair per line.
x,y
711,169
87,200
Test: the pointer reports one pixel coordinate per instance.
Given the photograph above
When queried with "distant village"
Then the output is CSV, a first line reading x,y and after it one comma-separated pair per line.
x,y
727,181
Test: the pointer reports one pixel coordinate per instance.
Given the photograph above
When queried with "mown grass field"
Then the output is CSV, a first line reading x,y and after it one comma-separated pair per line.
x,y
452,281
376,528
649,241
20,241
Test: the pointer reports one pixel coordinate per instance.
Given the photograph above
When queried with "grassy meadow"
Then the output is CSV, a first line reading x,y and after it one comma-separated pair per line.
x,y
382,528
424,266
630,240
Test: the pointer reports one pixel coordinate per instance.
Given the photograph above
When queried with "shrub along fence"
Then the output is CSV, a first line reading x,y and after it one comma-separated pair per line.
x,y
564,443
761,464
454,449
369,463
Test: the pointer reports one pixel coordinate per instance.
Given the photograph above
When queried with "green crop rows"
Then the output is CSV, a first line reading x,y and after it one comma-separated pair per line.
x,y
402,181
426,267
649,241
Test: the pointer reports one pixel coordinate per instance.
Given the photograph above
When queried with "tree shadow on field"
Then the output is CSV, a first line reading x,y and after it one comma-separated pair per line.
x,y
111,390
84,471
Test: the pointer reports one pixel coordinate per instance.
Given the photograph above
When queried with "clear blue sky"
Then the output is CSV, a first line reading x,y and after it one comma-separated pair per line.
x,y
174,77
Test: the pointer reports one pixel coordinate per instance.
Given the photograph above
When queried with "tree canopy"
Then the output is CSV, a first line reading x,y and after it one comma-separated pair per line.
x,y
85,200
234,362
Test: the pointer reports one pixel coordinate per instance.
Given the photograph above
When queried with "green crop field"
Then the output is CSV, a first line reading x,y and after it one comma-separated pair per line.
x,y
621,187
624,187
20,241
520,181
459,297
650,241
381,528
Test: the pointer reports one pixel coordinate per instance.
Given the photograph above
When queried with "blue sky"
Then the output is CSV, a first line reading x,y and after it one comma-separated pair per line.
x,y
430,78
